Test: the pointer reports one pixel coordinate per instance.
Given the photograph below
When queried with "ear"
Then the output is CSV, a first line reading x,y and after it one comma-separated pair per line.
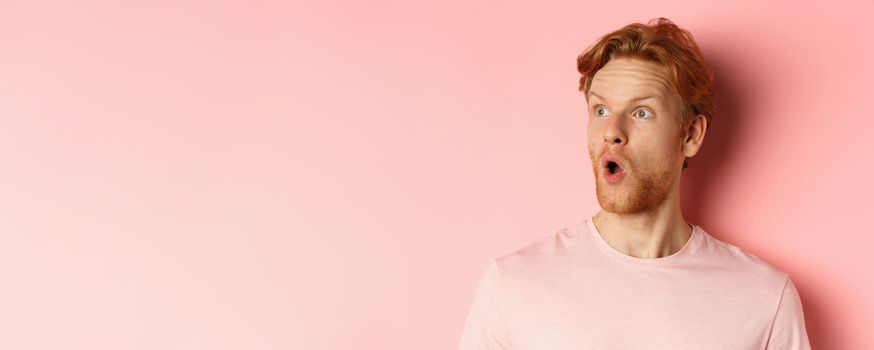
x,y
694,132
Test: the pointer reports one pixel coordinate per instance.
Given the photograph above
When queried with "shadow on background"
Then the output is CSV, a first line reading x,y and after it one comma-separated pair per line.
x,y
708,168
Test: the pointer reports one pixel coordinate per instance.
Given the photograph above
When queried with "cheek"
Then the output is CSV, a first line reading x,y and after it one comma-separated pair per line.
x,y
669,142
594,133
591,141
666,156
657,153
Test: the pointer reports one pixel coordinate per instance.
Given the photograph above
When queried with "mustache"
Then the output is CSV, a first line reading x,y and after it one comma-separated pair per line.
x,y
605,152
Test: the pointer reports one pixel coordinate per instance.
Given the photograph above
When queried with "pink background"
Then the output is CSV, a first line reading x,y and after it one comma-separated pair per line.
x,y
274,175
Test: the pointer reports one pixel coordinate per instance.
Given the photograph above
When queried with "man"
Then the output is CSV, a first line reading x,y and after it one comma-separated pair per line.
x,y
636,275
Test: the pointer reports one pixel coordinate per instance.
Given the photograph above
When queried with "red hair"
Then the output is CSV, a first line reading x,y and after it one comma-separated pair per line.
x,y
663,42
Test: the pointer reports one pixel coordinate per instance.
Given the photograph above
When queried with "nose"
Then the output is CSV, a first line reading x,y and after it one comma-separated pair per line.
x,y
614,131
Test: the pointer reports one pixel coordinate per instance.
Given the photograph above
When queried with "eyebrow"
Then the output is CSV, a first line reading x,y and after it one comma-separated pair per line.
x,y
633,99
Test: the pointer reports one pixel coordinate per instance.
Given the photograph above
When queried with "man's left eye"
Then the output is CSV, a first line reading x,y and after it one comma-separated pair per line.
x,y
643,113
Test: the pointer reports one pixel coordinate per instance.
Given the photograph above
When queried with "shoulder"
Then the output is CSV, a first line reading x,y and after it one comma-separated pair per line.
x,y
541,255
720,256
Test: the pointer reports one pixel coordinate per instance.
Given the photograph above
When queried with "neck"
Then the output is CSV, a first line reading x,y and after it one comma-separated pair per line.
x,y
653,233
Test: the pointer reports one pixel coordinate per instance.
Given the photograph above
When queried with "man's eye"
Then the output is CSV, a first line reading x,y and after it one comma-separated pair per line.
x,y
643,113
601,111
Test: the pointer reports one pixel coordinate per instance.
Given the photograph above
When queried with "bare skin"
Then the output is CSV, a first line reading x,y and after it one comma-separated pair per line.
x,y
640,214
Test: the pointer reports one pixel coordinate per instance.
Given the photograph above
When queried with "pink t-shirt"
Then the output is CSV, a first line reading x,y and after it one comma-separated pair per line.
x,y
572,290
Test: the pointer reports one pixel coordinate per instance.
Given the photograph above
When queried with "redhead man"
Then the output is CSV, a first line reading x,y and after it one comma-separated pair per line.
x,y
636,275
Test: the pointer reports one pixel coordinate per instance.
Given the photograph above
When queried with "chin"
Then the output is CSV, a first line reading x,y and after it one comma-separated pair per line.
x,y
614,200
619,206
631,197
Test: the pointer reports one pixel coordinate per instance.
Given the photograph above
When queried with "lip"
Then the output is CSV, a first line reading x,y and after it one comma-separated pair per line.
x,y
615,177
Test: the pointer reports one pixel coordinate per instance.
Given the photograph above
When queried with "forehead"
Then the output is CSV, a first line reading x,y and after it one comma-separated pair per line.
x,y
622,79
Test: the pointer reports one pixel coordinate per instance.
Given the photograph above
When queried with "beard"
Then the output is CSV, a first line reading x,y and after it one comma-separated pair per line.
x,y
639,190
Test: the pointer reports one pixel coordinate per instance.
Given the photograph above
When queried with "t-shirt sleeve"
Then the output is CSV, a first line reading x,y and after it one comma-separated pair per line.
x,y
485,327
788,331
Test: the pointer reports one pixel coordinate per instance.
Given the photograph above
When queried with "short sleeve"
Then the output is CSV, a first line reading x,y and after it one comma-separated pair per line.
x,y
485,327
788,331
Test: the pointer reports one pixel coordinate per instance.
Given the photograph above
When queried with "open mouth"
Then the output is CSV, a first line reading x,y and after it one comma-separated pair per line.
x,y
612,171
613,167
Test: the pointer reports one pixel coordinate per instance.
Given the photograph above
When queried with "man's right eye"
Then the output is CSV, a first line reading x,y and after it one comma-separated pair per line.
x,y
601,111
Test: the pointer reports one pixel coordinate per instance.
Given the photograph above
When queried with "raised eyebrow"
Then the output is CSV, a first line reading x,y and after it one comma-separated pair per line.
x,y
657,97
